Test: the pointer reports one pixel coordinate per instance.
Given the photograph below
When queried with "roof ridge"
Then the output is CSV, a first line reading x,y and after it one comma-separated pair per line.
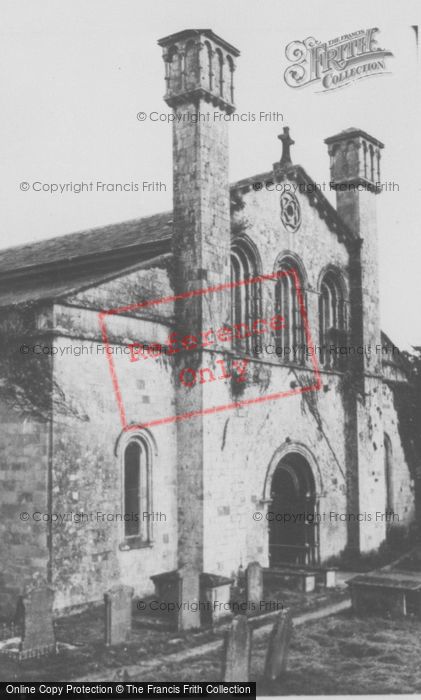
x,y
82,232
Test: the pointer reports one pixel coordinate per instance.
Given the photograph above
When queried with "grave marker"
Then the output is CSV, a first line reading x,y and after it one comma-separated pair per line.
x,y
118,614
254,583
237,651
277,653
35,617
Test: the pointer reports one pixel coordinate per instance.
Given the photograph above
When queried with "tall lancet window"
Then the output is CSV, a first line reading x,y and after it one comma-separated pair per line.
x,y
173,67
208,66
230,64
332,321
290,339
219,72
136,490
191,66
245,298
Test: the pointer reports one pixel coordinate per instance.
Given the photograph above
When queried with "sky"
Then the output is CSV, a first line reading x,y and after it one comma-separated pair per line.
x,y
75,74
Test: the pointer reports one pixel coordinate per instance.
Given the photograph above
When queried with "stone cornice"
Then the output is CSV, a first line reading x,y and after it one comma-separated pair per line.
x,y
195,96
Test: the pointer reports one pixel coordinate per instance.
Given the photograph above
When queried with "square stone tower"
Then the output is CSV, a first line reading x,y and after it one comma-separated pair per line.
x,y
355,174
199,73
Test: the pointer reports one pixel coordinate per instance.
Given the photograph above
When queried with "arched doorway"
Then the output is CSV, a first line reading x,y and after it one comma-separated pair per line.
x,y
293,527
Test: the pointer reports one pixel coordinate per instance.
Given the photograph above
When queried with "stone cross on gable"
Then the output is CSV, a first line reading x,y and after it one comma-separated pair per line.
x,y
287,142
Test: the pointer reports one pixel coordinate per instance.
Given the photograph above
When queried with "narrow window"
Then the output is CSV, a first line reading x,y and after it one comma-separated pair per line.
x,y
230,63
290,339
332,322
136,491
208,65
219,73
174,70
245,298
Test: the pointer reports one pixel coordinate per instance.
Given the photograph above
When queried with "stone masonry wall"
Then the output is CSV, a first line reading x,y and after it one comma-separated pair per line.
x,y
87,467
23,498
25,386
242,442
402,485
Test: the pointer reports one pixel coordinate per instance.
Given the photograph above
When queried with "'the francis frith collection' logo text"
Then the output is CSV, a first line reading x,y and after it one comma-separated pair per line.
x,y
337,62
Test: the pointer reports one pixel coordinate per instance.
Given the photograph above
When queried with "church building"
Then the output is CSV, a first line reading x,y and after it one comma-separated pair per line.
x,y
203,388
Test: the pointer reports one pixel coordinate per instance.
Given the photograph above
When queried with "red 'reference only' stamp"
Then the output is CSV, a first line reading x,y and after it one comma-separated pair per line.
x,y
189,376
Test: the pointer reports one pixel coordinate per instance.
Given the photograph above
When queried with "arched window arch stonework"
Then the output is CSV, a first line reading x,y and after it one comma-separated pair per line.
x,y
290,340
230,79
174,69
283,450
191,65
246,299
333,318
208,61
219,72
137,452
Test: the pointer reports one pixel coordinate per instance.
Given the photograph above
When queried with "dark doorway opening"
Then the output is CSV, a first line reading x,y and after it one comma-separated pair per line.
x,y
293,527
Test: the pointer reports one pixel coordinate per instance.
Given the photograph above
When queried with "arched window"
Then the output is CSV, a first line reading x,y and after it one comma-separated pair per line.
x,y
388,466
136,491
208,66
290,340
219,73
230,63
191,66
332,320
173,67
371,151
245,298
365,158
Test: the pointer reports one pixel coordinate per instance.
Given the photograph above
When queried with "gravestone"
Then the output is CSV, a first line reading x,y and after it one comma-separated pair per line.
x,y
237,651
215,595
189,615
35,616
179,591
254,583
118,614
277,653
386,593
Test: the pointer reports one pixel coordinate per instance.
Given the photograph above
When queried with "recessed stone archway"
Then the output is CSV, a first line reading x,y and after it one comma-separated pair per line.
x,y
291,493
286,448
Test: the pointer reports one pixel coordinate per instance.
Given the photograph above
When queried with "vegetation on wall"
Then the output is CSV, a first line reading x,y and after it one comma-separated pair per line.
x,y
27,384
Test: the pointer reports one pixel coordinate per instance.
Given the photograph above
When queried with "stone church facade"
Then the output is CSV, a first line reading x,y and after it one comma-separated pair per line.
x,y
211,485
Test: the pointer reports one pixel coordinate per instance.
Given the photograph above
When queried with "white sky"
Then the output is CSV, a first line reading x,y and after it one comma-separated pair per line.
x,y
74,75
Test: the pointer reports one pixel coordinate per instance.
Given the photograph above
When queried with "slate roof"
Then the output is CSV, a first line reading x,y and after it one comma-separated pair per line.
x,y
67,264
151,234
58,283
